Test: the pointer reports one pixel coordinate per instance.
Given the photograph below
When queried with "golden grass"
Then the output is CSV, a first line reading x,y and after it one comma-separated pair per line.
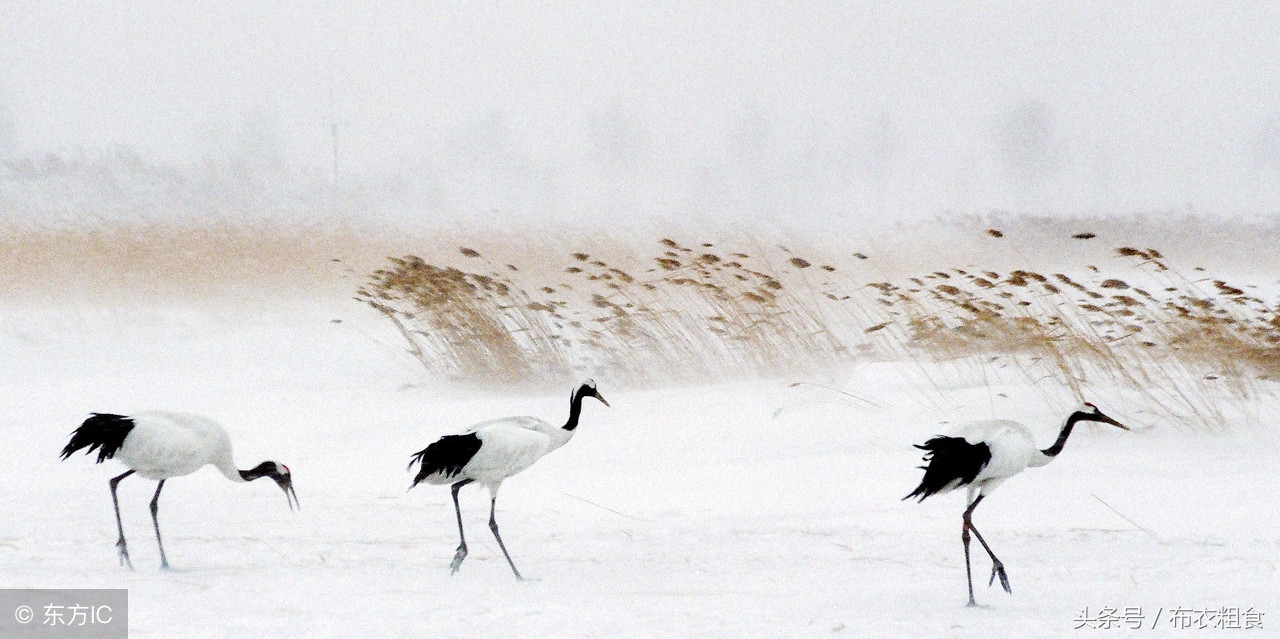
x,y
220,261
153,262
690,312
1183,346
519,307
702,311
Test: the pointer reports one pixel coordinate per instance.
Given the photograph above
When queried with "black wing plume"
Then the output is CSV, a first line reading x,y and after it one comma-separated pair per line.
x,y
102,431
951,462
447,456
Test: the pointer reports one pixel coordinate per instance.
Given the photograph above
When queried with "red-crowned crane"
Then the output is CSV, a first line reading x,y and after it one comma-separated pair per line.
x,y
980,456
490,452
162,445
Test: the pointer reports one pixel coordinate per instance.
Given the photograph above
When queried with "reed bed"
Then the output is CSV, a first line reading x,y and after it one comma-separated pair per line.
x,y
690,313
159,262
1184,344
531,310
696,311
701,312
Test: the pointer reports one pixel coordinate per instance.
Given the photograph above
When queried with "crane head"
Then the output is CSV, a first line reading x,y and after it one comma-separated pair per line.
x,y
284,480
588,389
1090,413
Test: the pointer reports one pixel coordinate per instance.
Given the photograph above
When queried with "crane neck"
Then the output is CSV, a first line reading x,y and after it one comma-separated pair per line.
x,y
261,470
575,409
1056,448
223,462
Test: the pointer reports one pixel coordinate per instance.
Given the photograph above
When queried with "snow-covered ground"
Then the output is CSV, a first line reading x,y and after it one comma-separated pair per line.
x,y
756,509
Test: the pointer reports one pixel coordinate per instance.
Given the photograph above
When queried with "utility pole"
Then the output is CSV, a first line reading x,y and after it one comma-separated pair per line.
x,y
334,124
333,133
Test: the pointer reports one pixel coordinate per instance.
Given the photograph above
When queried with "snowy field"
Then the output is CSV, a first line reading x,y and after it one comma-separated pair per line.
x,y
789,240
756,509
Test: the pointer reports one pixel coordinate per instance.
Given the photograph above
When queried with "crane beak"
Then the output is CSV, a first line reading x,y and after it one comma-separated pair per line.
x,y
601,398
286,484
1107,420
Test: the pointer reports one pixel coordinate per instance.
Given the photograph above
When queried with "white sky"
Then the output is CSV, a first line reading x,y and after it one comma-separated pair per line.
x,y
563,108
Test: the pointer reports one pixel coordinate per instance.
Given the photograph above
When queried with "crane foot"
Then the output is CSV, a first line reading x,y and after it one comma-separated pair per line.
x,y
997,570
124,553
457,559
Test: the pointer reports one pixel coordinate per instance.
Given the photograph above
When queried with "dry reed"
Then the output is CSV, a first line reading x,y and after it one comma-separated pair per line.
x,y
694,311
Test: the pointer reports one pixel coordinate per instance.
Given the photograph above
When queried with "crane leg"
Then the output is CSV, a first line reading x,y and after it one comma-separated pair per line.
x,y
997,566
968,570
493,525
155,506
462,546
121,546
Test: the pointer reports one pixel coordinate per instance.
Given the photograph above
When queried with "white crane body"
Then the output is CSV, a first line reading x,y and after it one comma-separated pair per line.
x,y
489,453
161,445
164,445
981,455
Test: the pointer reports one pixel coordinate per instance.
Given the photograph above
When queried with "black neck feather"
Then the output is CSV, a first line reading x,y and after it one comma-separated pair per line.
x,y
1056,448
264,469
575,408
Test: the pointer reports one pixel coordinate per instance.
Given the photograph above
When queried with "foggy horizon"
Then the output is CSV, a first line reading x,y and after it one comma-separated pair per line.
x,y
811,112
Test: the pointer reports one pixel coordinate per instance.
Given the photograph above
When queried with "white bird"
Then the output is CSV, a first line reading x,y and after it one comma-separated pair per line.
x,y
980,456
492,451
163,445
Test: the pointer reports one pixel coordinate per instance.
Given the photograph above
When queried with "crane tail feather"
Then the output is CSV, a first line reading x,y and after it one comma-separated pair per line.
x,y
445,458
950,462
103,432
